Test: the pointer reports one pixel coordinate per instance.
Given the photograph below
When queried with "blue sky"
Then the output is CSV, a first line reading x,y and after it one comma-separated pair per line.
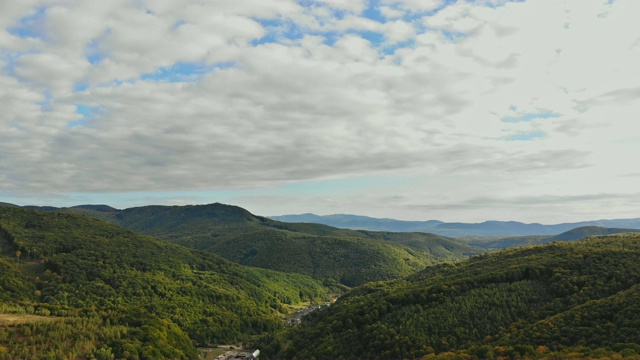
x,y
438,109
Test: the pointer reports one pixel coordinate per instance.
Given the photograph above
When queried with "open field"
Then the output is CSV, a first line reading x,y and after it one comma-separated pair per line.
x,y
14,319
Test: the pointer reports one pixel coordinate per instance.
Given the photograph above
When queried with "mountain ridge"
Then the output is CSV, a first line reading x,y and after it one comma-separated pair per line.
x,y
578,233
350,257
454,229
449,229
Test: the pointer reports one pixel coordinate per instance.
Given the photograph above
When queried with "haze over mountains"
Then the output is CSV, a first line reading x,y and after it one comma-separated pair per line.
x,y
454,229
494,243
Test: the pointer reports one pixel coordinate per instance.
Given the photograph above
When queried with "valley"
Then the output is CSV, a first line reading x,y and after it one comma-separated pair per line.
x,y
158,282
319,180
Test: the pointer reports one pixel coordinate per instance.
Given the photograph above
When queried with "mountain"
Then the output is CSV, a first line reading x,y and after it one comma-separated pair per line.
x,y
103,208
8,204
76,287
361,222
571,235
586,231
442,247
455,229
349,257
562,300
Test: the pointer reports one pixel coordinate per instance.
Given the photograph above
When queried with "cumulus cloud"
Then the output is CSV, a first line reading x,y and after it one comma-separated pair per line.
x,y
354,6
163,96
415,5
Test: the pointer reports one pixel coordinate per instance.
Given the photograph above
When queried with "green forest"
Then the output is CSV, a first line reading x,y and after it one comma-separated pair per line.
x,y
78,287
350,257
562,300
82,288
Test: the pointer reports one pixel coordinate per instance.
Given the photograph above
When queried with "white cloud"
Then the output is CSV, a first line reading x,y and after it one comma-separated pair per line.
x,y
357,48
356,6
415,5
391,13
458,18
356,23
318,98
398,30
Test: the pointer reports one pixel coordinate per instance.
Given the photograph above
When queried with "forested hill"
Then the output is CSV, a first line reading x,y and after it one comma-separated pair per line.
x,y
586,231
77,287
571,235
562,300
348,256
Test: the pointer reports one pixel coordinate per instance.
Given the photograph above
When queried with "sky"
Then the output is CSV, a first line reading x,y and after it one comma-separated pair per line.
x,y
408,109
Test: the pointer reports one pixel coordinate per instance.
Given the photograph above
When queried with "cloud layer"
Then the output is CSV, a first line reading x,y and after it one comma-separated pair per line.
x,y
474,104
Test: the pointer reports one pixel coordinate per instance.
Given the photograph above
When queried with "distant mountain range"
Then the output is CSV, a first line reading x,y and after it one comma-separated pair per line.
x,y
495,243
455,229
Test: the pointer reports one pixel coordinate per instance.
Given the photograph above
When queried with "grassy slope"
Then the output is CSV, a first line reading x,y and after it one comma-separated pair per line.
x,y
98,275
566,297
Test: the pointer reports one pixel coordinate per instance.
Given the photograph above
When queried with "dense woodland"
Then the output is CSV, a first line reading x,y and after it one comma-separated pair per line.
x,y
75,287
105,290
562,300
347,256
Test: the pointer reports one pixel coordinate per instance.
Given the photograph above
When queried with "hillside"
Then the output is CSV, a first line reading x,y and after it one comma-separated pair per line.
x,y
348,256
454,229
586,231
442,247
348,260
357,222
571,235
562,300
8,204
81,287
